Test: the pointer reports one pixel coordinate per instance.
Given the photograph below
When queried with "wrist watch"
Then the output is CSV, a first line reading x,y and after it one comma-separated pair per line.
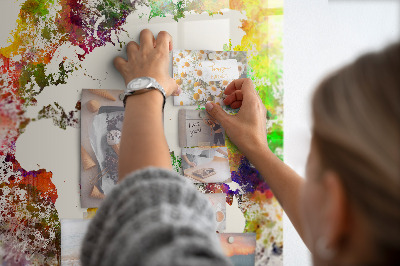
x,y
140,85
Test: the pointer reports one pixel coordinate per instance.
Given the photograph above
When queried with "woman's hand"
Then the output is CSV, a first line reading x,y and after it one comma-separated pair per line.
x,y
149,59
192,164
247,129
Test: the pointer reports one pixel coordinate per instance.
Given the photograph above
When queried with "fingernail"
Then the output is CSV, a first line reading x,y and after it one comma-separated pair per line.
x,y
179,90
209,106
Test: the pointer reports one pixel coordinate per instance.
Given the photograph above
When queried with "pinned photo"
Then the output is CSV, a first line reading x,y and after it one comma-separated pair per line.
x,y
239,248
218,201
102,115
206,165
197,128
72,234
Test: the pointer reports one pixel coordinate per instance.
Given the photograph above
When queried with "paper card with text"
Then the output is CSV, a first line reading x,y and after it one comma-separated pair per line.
x,y
203,74
217,70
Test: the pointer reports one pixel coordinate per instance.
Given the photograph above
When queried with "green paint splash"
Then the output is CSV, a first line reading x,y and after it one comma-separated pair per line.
x,y
176,161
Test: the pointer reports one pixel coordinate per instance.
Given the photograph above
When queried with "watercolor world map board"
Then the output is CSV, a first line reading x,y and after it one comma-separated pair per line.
x,y
51,49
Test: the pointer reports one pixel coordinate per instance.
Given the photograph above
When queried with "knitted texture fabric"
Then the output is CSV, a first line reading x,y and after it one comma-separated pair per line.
x,y
153,217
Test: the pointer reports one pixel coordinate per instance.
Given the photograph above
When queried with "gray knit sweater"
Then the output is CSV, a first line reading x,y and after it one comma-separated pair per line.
x,y
153,217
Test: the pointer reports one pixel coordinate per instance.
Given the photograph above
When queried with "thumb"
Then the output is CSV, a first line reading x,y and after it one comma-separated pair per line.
x,y
216,111
177,91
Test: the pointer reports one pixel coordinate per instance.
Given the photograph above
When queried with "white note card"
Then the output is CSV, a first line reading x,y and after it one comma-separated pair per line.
x,y
217,70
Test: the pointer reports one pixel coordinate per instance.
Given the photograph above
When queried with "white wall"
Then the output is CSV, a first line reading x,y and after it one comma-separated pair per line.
x,y
320,36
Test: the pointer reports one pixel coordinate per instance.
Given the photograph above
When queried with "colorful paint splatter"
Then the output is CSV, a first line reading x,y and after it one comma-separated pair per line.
x,y
30,227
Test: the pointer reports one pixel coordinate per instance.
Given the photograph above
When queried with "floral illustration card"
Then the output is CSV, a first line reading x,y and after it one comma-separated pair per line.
x,y
203,74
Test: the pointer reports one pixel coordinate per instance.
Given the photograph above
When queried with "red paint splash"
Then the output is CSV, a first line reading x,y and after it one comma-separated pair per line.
x,y
40,180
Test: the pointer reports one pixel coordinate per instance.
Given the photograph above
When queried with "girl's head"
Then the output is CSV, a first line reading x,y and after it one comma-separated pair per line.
x,y
351,199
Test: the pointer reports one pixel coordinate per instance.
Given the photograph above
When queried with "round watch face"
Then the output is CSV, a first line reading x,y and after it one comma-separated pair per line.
x,y
140,83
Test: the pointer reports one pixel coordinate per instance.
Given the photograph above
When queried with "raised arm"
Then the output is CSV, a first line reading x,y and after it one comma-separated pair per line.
x,y
143,141
247,129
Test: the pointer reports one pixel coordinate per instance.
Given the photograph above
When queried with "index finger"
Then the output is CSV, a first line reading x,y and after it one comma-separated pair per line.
x,y
164,41
245,85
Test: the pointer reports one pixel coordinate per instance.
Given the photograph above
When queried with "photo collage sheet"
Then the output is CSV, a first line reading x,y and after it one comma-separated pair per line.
x,y
203,76
204,155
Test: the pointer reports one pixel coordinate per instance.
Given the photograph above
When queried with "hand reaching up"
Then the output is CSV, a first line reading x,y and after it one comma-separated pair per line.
x,y
149,59
247,129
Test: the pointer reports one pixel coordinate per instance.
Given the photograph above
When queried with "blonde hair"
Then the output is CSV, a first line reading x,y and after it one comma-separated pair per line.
x,y
356,114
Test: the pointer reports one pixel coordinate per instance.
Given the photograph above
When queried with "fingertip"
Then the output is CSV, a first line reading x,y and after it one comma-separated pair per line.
x,y
146,31
229,99
177,91
146,39
236,105
209,106
226,101
118,62
115,61
231,88
132,45
164,39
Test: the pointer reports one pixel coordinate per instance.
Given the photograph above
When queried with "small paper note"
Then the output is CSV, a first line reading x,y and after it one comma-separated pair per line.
x,y
195,130
219,70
